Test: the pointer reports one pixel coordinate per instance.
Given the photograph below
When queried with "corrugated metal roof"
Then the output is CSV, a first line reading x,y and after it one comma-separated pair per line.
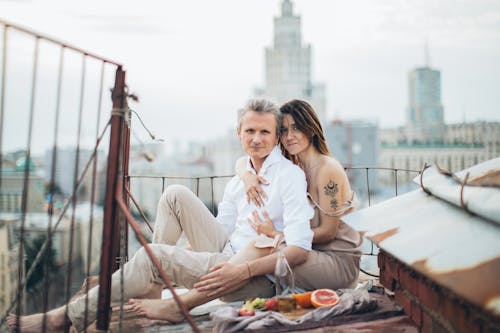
x,y
442,241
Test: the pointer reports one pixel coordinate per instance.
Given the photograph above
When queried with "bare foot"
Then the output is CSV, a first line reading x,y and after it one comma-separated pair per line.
x,y
160,309
33,323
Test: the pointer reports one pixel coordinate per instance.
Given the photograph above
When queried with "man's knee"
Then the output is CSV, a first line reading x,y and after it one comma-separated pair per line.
x,y
174,193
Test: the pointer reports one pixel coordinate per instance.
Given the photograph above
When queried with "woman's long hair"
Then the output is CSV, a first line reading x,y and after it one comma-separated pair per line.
x,y
306,121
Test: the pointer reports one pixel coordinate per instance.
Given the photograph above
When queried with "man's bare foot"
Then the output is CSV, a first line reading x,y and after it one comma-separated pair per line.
x,y
160,309
33,323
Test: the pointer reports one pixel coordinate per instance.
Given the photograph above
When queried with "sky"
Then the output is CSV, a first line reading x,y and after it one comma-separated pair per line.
x,y
193,63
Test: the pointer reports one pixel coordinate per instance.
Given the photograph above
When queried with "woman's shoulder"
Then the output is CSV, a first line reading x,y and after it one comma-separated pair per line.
x,y
330,167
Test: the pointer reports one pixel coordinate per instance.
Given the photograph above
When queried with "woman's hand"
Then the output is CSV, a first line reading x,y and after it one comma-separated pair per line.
x,y
265,227
223,278
252,188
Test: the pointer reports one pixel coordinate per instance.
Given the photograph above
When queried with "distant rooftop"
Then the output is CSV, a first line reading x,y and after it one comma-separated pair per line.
x,y
433,145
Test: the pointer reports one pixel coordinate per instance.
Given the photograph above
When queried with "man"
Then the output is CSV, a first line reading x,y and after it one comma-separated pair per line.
x,y
216,266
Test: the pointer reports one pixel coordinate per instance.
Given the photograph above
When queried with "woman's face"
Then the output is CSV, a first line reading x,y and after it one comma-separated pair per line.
x,y
293,139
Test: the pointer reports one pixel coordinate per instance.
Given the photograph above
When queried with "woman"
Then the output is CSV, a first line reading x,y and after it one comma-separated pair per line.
x,y
334,261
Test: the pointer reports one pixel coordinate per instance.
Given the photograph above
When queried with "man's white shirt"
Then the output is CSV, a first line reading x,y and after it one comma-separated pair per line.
x,y
286,204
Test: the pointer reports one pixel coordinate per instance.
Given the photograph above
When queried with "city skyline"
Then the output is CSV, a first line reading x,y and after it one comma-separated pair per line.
x,y
207,61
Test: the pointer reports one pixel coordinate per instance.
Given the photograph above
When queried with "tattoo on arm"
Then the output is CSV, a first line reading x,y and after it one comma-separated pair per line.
x,y
331,189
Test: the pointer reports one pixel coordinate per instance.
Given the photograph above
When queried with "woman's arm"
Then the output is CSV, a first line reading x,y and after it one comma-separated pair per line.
x,y
252,183
333,191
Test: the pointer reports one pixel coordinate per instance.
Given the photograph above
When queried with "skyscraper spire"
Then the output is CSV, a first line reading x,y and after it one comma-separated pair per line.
x,y
286,8
288,73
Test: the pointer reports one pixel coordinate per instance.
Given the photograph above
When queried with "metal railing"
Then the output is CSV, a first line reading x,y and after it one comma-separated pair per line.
x,y
116,215
211,204
13,37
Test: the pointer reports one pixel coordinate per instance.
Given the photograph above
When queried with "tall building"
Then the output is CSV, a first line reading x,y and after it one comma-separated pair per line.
x,y
11,191
288,64
64,171
9,256
425,118
355,144
464,145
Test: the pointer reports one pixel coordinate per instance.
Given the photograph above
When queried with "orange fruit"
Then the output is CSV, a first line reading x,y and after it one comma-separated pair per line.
x,y
324,297
304,299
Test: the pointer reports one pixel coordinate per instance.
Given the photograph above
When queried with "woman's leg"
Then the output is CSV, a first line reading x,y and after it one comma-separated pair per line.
x,y
326,269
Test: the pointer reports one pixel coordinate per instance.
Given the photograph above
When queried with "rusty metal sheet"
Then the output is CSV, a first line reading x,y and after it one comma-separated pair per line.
x,y
442,241
481,200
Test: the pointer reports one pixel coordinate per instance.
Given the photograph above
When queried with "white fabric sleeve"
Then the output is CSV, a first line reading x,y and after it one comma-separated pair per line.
x,y
227,212
297,213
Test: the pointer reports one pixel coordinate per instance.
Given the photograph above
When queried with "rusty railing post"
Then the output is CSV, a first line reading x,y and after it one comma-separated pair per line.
x,y
125,179
111,225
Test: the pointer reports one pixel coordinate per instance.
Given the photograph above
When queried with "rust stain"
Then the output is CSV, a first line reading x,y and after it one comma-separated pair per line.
x,y
489,178
479,284
384,235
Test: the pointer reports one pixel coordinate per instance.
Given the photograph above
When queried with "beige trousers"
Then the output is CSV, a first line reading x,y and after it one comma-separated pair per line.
x,y
179,210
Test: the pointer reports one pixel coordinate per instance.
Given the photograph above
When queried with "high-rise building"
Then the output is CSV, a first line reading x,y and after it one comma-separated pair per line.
x,y
11,191
64,171
355,143
425,118
288,64
9,256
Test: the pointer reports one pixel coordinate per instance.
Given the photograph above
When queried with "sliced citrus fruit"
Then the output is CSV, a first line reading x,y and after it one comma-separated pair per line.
x,y
324,297
303,299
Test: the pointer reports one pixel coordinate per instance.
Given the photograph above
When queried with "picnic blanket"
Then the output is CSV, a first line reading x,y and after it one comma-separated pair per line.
x,y
226,319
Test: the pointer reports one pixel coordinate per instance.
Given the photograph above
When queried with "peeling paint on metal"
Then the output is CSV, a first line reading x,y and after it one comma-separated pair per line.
x,y
490,178
383,235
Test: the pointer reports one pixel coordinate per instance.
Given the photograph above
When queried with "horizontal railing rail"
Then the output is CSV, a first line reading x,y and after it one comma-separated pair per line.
x,y
212,203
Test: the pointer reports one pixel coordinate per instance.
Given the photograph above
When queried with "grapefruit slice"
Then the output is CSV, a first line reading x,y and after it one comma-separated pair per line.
x,y
324,297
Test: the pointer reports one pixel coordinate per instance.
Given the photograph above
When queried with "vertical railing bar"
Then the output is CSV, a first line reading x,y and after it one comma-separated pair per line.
x,y
369,202
125,163
368,187
52,186
122,259
122,241
75,189
110,222
92,200
2,95
396,181
198,186
212,194
162,184
141,212
24,200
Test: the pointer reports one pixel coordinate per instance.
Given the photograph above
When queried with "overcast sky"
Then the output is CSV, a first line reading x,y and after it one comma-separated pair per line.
x,y
194,62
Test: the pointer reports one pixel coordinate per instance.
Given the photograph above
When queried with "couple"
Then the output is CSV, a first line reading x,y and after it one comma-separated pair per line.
x,y
305,192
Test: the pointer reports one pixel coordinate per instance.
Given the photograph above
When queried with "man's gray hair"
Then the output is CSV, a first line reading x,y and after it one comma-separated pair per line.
x,y
261,105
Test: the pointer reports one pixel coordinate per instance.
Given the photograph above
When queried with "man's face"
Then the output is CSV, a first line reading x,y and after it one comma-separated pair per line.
x,y
258,135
